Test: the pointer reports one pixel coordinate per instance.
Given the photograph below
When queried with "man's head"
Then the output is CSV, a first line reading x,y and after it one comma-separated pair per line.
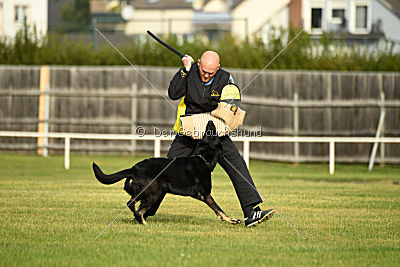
x,y
208,65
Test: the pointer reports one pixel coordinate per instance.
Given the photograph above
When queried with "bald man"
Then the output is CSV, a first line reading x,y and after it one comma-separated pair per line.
x,y
202,86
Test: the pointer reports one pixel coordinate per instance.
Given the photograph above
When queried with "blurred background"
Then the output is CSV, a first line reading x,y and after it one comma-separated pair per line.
x,y
337,26
339,77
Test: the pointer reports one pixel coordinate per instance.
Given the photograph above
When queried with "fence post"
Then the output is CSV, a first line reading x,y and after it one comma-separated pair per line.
x,y
157,147
46,121
383,109
377,135
43,109
66,153
246,152
331,157
296,125
134,102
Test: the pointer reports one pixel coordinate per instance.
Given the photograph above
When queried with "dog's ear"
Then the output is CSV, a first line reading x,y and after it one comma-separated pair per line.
x,y
210,129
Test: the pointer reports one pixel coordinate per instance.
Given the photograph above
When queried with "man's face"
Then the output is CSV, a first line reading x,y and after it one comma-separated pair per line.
x,y
207,72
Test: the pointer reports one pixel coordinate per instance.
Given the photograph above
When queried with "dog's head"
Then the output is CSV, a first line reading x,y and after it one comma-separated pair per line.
x,y
210,146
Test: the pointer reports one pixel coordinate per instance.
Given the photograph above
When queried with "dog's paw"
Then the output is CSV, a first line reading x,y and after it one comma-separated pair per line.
x,y
231,220
235,221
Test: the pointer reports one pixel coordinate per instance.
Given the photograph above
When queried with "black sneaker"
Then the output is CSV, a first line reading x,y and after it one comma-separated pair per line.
x,y
258,216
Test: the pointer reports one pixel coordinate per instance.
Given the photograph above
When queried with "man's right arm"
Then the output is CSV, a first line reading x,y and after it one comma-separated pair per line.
x,y
177,86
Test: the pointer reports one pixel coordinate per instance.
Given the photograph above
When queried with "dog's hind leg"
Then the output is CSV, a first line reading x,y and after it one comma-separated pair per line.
x,y
214,206
131,204
145,205
141,217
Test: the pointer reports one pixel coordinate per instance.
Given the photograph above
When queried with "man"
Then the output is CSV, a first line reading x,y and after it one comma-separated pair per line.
x,y
202,86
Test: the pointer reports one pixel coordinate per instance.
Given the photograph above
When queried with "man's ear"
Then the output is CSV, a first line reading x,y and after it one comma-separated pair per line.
x,y
198,62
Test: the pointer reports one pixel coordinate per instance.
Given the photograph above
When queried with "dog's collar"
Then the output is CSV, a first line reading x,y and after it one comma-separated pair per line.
x,y
205,161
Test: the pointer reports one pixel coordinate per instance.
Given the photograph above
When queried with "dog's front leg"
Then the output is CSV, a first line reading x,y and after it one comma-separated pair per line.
x,y
214,206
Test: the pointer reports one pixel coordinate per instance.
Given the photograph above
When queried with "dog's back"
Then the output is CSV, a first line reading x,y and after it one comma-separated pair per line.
x,y
180,176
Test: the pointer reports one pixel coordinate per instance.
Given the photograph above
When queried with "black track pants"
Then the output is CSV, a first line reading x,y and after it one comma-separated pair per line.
x,y
232,162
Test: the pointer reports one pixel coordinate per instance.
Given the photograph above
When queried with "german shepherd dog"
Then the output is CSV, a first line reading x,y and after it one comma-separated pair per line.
x,y
185,176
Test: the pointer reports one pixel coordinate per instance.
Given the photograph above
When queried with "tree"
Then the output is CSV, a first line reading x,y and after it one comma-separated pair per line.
x,y
75,15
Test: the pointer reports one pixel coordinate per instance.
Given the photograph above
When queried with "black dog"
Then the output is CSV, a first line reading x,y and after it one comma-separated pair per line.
x,y
185,176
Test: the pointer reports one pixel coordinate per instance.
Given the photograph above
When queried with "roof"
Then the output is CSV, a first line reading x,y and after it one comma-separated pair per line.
x,y
173,4
393,4
209,18
235,3
162,4
107,17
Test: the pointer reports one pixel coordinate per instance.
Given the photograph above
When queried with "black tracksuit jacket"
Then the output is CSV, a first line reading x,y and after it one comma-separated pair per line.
x,y
199,98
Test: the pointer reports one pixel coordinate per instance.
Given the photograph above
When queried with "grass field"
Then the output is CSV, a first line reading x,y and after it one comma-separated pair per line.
x,y
51,216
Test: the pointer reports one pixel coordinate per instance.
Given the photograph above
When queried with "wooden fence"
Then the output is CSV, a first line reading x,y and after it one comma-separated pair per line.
x,y
116,100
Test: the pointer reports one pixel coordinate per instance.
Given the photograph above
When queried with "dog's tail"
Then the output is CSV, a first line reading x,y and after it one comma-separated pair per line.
x,y
110,178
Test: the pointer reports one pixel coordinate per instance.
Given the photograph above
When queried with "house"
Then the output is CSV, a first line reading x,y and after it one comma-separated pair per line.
x,y
214,18
44,15
161,17
15,14
208,17
107,15
357,21
253,17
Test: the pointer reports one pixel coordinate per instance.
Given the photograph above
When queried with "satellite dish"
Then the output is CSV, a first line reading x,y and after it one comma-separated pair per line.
x,y
127,12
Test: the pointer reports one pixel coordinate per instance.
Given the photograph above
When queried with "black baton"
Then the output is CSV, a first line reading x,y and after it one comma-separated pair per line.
x,y
164,44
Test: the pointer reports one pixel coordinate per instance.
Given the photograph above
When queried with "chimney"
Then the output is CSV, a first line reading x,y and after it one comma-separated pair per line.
x,y
295,18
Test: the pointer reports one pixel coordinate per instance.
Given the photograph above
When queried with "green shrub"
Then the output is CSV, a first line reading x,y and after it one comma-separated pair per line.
x,y
303,53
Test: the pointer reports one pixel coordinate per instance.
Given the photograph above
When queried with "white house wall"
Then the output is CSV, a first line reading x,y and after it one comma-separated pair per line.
x,y
327,6
280,20
390,22
179,21
36,11
258,14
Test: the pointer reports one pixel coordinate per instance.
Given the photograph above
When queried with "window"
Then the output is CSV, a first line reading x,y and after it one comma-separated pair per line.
x,y
338,16
361,17
316,18
20,14
16,13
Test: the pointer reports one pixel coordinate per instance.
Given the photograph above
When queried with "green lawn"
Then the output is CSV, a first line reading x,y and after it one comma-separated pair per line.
x,y
51,216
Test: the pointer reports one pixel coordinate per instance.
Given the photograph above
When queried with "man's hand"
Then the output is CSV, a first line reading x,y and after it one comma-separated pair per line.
x,y
187,62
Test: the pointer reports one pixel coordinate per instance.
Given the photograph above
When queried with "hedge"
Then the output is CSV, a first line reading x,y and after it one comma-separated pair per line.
x,y
326,54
